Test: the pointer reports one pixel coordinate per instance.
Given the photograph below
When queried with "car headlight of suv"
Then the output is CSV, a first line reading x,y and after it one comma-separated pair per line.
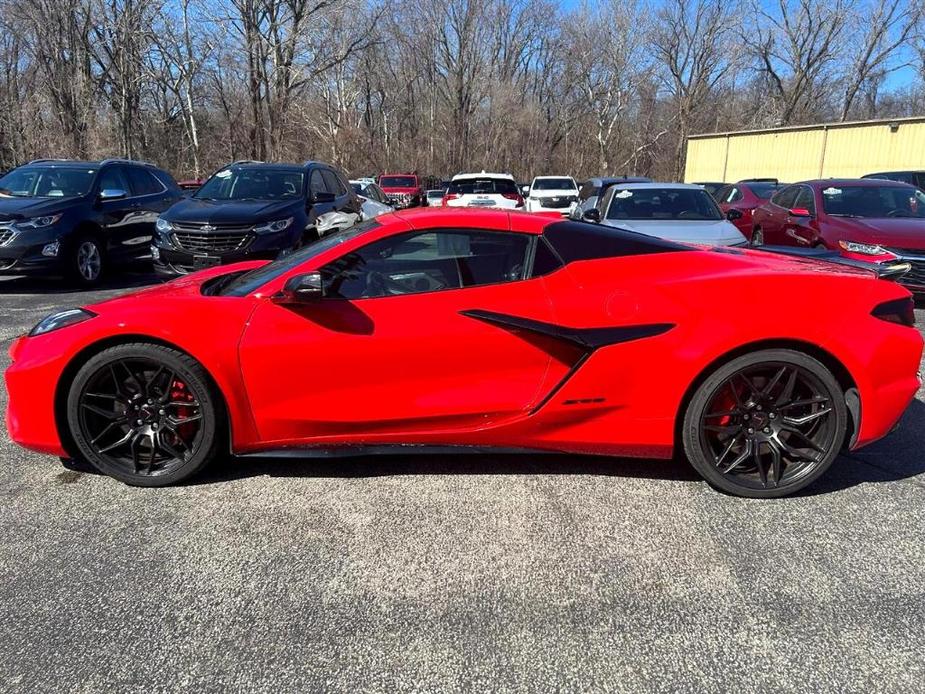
x,y
163,226
61,319
863,248
274,227
37,222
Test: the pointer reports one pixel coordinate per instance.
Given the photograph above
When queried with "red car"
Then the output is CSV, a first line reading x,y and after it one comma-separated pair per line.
x,y
867,219
477,328
739,200
402,190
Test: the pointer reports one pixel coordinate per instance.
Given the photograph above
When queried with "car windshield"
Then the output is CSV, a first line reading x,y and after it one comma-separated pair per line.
x,y
553,184
481,186
764,190
242,285
398,182
252,184
873,201
663,203
46,182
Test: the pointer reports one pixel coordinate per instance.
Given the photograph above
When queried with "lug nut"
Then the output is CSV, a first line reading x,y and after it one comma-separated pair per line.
x,y
759,408
162,412
154,425
772,415
767,430
139,422
751,431
746,418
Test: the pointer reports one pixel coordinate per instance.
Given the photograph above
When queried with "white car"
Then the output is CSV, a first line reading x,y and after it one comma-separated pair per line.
x,y
553,194
679,212
484,190
373,202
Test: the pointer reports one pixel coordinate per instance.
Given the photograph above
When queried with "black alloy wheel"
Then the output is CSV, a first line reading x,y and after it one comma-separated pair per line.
x,y
86,262
766,424
144,414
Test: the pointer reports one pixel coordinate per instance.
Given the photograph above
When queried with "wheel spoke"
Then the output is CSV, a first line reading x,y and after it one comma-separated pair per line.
x,y
731,429
107,414
727,413
729,446
796,432
776,466
175,421
762,470
184,403
742,457
118,444
787,392
103,433
751,386
796,453
806,401
797,421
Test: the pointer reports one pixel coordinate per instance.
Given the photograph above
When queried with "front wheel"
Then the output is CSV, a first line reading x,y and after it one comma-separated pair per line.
x,y
765,424
144,414
86,261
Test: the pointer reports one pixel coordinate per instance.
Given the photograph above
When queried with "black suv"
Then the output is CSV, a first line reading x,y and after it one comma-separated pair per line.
x,y
253,210
77,218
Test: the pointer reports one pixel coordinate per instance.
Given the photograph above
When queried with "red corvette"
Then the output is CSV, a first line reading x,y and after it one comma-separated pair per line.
x,y
483,329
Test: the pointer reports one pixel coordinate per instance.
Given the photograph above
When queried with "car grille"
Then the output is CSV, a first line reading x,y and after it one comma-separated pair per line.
x,y
6,235
557,203
220,239
916,258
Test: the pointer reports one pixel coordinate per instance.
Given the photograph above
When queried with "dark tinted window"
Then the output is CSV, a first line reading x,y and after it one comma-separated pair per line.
x,y
332,182
142,182
873,201
427,261
46,181
544,260
588,190
112,179
470,186
358,188
764,190
583,241
316,183
662,203
804,200
553,184
252,184
398,181
785,197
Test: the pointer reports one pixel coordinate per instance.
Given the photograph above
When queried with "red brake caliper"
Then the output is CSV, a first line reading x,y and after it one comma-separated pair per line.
x,y
180,393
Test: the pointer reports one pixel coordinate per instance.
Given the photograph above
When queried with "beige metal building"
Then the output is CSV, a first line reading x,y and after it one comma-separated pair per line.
x,y
799,153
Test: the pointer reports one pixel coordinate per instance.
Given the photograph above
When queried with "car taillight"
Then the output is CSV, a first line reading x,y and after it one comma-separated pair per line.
x,y
514,196
448,197
901,311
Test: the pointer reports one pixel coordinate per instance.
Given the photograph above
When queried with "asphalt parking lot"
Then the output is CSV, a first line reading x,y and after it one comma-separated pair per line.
x,y
445,574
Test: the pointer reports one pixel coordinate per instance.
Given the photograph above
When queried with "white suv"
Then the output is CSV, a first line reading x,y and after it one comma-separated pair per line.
x,y
553,194
483,190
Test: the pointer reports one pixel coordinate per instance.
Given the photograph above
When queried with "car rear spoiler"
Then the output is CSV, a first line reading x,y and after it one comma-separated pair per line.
x,y
886,271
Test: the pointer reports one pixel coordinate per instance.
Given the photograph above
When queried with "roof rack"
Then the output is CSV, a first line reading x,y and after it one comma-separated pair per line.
x,y
42,161
124,160
245,161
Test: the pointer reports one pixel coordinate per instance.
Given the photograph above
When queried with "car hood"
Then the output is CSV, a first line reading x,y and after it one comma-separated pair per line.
x,y
899,232
21,208
231,211
706,232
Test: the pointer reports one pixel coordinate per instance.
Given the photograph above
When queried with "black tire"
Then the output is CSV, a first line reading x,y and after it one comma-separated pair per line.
x,y
86,260
757,237
156,404
730,413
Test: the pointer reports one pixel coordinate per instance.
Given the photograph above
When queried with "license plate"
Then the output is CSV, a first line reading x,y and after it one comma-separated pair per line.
x,y
201,261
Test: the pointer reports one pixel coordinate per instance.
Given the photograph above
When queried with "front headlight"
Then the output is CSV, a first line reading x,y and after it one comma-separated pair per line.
x,y
863,248
274,227
62,319
163,225
37,222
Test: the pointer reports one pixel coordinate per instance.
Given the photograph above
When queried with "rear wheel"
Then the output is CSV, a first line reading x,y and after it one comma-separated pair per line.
x,y
144,414
766,424
757,237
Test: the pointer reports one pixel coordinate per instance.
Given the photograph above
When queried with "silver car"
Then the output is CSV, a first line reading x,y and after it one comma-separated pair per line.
x,y
674,211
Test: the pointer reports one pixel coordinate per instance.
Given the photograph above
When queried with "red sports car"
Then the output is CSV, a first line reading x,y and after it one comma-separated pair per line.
x,y
484,329
867,219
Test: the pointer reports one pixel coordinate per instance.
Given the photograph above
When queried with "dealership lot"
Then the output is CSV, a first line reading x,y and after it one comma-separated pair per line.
x,y
434,573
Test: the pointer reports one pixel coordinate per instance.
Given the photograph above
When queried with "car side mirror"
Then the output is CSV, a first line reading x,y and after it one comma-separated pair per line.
x,y
733,214
301,289
323,196
112,194
525,190
592,214
800,212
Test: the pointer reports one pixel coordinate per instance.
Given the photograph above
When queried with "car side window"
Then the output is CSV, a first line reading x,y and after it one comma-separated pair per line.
x,y
427,261
805,200
331,183
111,179
785,197
142,182
316,183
